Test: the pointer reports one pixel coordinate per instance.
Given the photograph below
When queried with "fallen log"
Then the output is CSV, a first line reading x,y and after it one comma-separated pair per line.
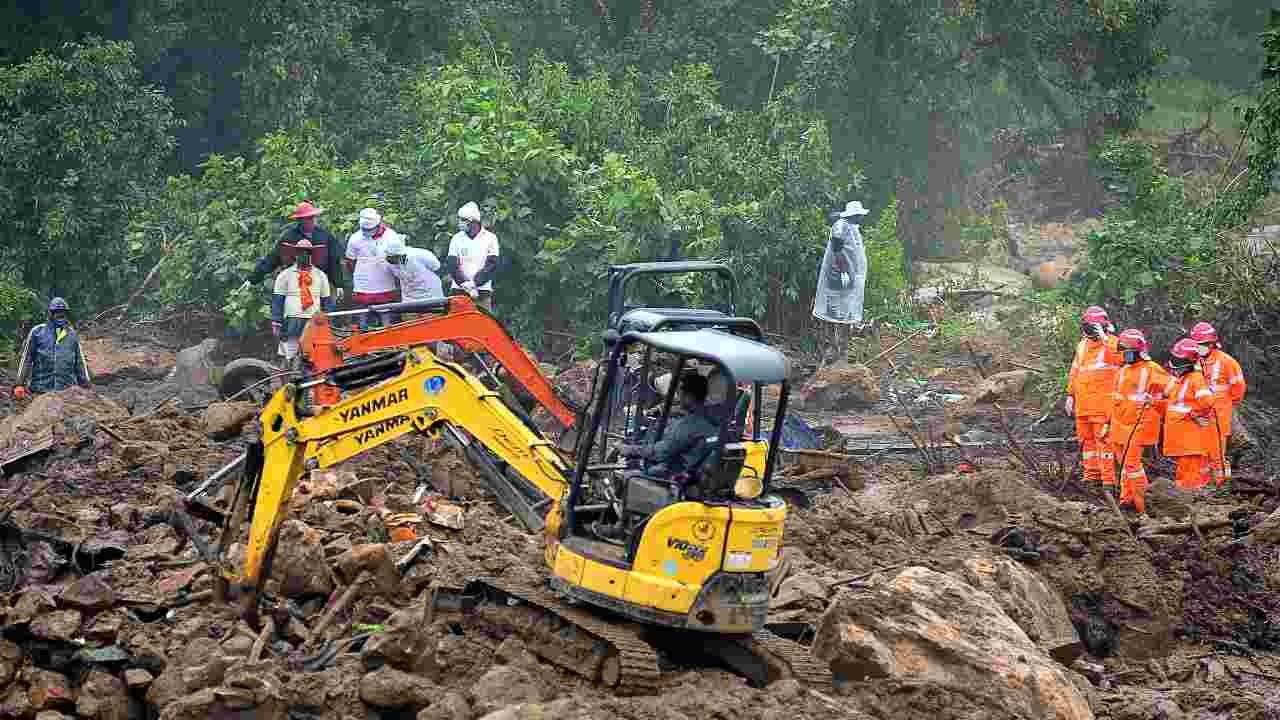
x,y
344,600
268,630
1183,527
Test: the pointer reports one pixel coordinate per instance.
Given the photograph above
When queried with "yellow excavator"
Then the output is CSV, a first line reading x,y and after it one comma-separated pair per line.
x,y
644,560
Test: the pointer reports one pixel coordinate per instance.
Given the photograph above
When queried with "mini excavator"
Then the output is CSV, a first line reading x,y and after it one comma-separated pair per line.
x,y
643,562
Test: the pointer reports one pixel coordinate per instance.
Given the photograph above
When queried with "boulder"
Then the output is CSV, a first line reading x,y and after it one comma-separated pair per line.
x,y
945,639
48,690
374,558
102,696
198,666
223,420
300,565
453,706
505,685
193,373
1003,385
405,643
841,388
31,604
90,592
10,661
1029,602
389,687
57,625
1049,274
137,678
50,715
105,626
798,589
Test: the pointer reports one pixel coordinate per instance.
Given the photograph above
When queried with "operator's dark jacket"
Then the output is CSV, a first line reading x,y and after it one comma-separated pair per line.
x,y
327,256
683,444
49,363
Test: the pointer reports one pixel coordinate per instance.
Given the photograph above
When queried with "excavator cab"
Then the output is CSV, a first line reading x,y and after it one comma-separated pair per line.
x,y
683,544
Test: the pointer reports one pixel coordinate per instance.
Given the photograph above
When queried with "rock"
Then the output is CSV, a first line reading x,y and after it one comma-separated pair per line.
x,y
512,651
1266,532
223,420
10,661
199,704
404,643
453,706
50,715
90,592
193,373
374,558
16,703
561,708
937,633
30,604
48,690
57,625
389,687
835,388
105,626
102,696
798,589
300,566
1003,385
199,665
238,645
137,678
1029,602
505,685
1047,275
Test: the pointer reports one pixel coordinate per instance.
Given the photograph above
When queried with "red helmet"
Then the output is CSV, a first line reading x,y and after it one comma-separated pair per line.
x,y
1203,332
1132,339
1186,349
1094,315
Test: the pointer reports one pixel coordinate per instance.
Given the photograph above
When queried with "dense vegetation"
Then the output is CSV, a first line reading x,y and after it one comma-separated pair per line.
x,y
177,134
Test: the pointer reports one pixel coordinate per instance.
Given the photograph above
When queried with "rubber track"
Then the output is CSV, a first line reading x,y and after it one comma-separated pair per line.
x,y
803,666
639,661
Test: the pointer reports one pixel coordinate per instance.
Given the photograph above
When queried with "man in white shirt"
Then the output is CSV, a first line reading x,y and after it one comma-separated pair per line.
x,y
372,282
416,270
473,258
301,290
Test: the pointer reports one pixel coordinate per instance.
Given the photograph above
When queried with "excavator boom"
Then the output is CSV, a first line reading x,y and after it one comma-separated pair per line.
x,y
427,395
454,319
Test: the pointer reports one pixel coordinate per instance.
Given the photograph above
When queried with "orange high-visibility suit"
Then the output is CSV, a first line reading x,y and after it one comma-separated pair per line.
x,y
1226,380
1189,434
1135,425
1091,384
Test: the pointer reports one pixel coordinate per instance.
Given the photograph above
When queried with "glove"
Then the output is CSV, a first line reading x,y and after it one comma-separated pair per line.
x,y
1202,421
1071,405
341,293
275,328
844,279
21,393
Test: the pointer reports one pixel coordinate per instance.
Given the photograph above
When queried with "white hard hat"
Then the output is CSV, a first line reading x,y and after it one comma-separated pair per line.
x,y
393,246
369,219
469,212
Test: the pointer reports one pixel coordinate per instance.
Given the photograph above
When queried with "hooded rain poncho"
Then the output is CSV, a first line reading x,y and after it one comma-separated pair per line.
x,y
835,301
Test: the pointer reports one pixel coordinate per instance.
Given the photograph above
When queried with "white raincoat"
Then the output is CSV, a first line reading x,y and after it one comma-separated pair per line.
x,y
842,277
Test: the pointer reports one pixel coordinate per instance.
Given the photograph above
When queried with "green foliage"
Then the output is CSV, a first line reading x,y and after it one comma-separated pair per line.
x,y
16,304
886,273
82,137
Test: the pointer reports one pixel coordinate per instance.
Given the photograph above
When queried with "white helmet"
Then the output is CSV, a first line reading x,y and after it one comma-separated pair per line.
x,y
393,246
469,212
369,219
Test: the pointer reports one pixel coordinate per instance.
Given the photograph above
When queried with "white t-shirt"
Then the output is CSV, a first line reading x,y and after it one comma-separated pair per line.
x,y
372,273
287,285
472,253
418,278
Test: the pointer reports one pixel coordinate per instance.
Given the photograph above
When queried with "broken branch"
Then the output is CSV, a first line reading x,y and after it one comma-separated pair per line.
x,y
348,595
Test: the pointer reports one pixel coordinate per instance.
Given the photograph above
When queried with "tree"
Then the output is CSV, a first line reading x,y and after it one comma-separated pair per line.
x,y
83,136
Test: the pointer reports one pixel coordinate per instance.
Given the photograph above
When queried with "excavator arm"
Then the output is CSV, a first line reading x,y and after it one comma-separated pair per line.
x,y
454,319
429,396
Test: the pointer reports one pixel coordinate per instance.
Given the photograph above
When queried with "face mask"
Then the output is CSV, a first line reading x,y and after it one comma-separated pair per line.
x,y
1179,370
1131,356
463,226
59,322
304,261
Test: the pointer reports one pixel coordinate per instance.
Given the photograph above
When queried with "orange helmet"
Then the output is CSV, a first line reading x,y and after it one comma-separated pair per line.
x,y
1186,349
1132,339
1203,332
1094,315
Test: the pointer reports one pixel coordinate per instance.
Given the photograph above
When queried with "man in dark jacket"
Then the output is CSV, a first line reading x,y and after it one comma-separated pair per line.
x,y
327,254
51,356
683,443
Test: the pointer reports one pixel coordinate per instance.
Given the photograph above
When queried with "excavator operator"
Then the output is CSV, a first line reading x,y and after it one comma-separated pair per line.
x,y
682,443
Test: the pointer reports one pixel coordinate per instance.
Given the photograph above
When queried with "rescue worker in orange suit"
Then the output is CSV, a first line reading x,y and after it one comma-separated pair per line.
x,y
1226,380
1091,384
1135,415
1189,434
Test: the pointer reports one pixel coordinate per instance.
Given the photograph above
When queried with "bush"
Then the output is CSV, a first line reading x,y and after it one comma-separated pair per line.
x,y
886,269
16,303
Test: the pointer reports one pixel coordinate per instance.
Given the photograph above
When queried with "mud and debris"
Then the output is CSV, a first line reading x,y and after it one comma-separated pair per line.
x,y
986,590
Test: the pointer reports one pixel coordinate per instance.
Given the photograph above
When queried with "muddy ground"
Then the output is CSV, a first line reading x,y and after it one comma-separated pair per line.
x,y
106,613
